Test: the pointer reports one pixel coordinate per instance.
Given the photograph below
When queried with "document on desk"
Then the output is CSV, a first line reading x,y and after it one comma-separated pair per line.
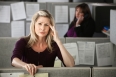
x,y
104,53
61,14
31,9
36,75
4,14
18,11
73,50
11,74
17,28
86,52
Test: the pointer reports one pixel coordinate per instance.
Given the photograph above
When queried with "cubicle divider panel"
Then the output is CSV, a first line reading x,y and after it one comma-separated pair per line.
x,y
7,45
5,28
52,7
96,40
104,72
6,48
55,72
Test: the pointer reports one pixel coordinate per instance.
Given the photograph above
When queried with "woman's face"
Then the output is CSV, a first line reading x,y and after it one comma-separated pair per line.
x,y
79,13
42,26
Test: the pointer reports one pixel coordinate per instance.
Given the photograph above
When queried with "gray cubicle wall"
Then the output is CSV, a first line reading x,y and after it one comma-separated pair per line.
x,y
96,40
55,72
5,28
51,8
7,45
104,72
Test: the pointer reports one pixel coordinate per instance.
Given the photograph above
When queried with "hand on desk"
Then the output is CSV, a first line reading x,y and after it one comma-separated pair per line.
x,y
31,68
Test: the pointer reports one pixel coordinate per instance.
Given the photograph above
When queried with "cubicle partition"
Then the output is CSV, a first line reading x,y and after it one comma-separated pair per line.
x,y
101,14
104,72
96,40
7,45
63,13
5,28
53,72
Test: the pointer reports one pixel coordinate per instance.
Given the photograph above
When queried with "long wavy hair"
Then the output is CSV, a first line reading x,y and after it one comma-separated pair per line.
x,y
33,38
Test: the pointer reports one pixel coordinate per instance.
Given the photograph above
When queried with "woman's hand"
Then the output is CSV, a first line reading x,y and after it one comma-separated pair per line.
x,y
54,33
31,68
80,19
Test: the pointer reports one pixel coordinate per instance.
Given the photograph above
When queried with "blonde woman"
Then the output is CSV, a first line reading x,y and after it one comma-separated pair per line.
x,y
41,47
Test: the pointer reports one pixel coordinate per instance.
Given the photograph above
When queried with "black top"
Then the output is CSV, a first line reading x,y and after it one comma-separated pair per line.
x,y
28,55
86,29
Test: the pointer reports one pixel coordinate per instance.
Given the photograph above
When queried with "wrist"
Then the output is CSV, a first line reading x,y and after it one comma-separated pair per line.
x,y
58,41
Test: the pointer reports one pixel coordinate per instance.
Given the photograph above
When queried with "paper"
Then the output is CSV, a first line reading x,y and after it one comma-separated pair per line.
x,y
86,52
28,28
36,75
31,9
57,63
18,11
61,14
61,29
113,26
10,74
73,50
72,14
17,28
104,52
4,14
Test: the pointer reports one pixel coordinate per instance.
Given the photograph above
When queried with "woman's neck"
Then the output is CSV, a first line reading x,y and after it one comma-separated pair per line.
x,y
41,41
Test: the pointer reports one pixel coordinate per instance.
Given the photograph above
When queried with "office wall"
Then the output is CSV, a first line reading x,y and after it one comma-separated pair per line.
x,y
5,28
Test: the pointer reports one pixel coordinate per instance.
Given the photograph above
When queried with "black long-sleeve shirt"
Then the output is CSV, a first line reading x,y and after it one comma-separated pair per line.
x,y
28,55
86,28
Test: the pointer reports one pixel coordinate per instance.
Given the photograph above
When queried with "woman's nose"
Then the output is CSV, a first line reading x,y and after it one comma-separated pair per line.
x,y
42,27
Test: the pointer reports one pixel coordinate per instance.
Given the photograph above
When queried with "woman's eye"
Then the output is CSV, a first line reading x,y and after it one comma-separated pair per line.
x,y
46,25
39,23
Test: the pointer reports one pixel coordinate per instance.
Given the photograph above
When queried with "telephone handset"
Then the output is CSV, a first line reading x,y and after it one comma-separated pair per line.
x,y
86,15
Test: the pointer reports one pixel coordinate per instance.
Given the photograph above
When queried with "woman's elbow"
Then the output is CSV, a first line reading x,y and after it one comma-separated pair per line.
x,y
71,64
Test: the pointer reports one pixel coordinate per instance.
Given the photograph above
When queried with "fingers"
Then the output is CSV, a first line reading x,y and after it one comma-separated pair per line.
x,y
31,68
53,30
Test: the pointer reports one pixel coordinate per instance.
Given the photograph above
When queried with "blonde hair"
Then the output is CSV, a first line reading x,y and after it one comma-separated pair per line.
x,y
33,37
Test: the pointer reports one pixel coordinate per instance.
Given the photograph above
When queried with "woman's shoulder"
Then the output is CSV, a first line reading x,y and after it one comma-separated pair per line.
x,y
54,44
22,41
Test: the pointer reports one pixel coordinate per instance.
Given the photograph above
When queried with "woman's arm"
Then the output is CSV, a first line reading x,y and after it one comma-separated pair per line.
x,y
67,58
86,29
18,63
17,56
